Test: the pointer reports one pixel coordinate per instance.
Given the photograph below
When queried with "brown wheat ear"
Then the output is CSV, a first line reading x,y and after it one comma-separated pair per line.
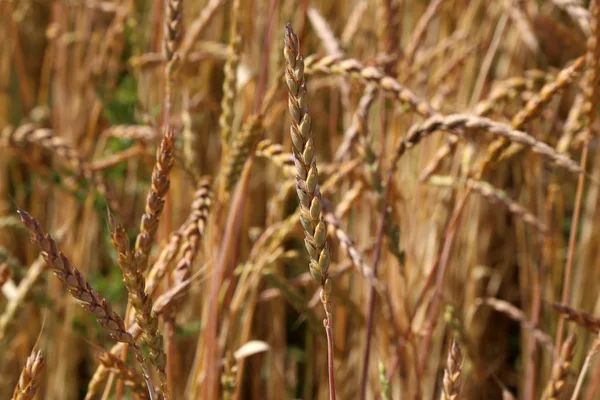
x,y
140,300
81,290
560,370
29,380
452,373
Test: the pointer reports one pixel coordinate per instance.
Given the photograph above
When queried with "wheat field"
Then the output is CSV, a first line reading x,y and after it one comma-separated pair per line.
x,y
296,199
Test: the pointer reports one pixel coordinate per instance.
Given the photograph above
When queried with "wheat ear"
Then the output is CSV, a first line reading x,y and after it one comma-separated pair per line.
x,y
471,124
307,183
230,79
560,370
452,373
140,300
581,318
29,380
81,290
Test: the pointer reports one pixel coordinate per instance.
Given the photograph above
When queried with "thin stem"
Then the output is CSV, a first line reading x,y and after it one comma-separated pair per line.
x,y
327,322
371,304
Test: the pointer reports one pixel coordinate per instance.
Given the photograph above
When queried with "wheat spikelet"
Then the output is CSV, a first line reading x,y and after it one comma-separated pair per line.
x,y
307,177
140,300
560,370
370,75
581,318
243,146
172,28
165,258
194,231
29,380
230,79
155,200
470,123
452,373
81,290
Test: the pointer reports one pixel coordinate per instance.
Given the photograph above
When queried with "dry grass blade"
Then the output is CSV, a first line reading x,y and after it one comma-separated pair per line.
x,y
471,124
452,373
29,380
560,370
581,318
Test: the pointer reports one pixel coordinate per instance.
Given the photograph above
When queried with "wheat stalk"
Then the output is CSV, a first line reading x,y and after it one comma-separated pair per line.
x,y
307,183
